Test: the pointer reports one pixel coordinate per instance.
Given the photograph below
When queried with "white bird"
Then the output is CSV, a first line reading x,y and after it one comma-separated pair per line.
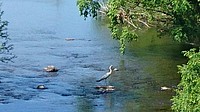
x,y
104,77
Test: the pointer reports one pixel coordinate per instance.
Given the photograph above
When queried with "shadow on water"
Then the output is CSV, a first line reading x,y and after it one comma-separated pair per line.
x,y
39,30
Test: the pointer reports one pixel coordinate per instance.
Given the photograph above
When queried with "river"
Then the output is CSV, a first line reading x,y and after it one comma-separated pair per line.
x,y
38,30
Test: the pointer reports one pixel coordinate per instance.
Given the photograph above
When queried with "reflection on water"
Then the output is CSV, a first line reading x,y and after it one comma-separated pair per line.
x,y
38,29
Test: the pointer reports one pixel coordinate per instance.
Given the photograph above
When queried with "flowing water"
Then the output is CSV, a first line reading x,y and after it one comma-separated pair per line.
x,y
39,28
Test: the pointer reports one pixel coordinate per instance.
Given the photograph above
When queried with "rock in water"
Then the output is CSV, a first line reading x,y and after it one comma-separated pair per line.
x,y
50,68
70,39
41,87
105,88
165,88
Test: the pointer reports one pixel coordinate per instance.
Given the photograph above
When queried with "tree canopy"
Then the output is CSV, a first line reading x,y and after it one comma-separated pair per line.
x,y
179,18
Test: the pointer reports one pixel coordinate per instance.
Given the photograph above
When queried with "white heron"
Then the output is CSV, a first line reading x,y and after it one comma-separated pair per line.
x,y
104,77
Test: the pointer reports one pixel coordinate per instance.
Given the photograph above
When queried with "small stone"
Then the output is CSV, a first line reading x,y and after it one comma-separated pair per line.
x,y
165,88
41,87
105,88
50,68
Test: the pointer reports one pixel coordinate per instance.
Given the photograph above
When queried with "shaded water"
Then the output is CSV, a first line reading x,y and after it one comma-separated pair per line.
x,y
38,29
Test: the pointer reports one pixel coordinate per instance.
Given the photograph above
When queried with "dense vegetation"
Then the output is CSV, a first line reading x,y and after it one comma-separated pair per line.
x,y
5,48
179,19
188,92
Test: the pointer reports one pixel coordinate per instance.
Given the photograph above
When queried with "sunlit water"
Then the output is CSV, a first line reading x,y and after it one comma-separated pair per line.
x,y
38,29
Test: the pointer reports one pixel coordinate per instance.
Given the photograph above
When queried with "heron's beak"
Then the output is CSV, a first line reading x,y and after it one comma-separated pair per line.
x,y
115,69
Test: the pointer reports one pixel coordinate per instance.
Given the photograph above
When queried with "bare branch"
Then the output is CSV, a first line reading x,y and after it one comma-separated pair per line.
x,y
143,23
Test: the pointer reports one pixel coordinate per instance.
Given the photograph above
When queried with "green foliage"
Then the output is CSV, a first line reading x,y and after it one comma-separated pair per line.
x,y
126,35
186,22
188,92
5,48
178,34
180,18
119,30
88,7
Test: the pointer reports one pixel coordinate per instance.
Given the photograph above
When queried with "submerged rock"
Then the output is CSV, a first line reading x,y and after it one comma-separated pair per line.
x,y
50,68
105,88
70,39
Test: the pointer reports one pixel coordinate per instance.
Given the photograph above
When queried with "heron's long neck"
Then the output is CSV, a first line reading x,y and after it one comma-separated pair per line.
x,y
110,70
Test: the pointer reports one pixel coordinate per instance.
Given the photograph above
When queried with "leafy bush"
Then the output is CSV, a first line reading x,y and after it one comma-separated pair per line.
x,y
5,48
187,97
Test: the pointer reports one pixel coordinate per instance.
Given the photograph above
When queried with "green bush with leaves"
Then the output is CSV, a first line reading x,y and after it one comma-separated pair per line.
x,y
179,18
5,48
187,97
